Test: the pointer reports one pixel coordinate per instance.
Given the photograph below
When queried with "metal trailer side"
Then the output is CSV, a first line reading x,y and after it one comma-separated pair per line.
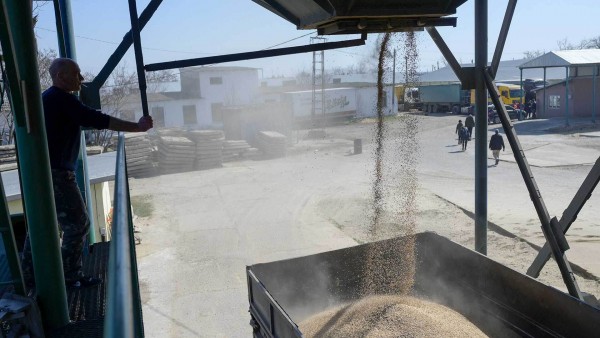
x,y
442,98
500,301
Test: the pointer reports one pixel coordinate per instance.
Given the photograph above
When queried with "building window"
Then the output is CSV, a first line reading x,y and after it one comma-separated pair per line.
x,y
189,115
158,116
217,112
554,101
337,80
127,115
216,80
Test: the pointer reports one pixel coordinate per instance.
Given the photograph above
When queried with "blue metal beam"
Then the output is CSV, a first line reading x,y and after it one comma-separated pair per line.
x,y
255,55
139,56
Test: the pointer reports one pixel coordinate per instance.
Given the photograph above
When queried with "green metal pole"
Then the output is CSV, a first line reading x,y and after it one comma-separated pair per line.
x,y
66,38
10,245
59,30
19,47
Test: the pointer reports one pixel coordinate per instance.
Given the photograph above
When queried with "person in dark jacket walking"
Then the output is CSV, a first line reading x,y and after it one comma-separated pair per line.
x,y
459,127
470,123
463,137
496,143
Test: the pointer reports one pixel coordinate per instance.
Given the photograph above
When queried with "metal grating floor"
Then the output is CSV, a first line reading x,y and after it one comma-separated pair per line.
x,y
86,306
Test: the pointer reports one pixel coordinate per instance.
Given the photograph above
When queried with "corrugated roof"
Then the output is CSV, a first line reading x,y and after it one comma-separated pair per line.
x,y
564,58
508,71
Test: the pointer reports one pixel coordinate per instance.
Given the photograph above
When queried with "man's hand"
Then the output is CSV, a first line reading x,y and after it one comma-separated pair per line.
x,y
145,123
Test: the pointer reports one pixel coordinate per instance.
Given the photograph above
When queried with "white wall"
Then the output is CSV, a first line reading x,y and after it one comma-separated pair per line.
x,y
366,98
240,86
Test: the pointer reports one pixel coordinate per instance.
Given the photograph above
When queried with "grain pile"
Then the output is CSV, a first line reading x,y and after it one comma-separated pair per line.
x,y
272,144
390,316
140,155
209,148
176,154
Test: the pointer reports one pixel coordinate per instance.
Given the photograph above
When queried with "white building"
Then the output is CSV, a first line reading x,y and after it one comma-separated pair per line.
x,y
207,92
204,92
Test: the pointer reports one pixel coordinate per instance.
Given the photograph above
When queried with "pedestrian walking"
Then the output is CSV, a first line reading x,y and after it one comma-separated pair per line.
x,y
459,127
470,123
496,143
463,137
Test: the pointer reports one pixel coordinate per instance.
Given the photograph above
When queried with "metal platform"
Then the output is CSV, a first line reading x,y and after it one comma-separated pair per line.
x,y
87,306
364,16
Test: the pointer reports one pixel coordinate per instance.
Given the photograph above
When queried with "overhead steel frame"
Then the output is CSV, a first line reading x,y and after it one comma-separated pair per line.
x,y
482,77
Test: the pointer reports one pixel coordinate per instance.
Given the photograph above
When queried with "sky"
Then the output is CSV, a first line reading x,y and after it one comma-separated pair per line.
x,y
185,29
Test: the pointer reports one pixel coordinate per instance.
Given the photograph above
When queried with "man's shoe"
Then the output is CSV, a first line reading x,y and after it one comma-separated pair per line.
x,y
497,162
84,282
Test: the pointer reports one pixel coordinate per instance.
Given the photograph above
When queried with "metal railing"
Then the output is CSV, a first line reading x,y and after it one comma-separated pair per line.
x,y
123,303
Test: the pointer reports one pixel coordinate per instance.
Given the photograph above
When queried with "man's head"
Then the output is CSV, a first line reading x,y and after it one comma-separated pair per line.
x,y
496,131
66,74
459,121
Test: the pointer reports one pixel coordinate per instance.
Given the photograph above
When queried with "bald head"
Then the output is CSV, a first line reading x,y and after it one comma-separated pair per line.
x,y
65,74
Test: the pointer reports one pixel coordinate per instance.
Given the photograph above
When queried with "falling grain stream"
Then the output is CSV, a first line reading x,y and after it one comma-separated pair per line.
x,y
387,309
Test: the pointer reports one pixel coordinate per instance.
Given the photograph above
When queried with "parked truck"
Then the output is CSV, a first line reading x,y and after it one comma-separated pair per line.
x,y
407,97
443,98
337,104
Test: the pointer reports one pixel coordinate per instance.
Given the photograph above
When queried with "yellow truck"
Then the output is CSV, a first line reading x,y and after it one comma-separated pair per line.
x,y
509,93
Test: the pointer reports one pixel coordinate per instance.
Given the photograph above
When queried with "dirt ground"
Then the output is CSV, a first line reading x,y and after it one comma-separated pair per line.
x,y
206,226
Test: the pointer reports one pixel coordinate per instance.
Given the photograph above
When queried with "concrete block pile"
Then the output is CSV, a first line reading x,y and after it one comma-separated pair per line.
x,y
8,157
175,154
235,150
209,148
94,150
140,155
272,144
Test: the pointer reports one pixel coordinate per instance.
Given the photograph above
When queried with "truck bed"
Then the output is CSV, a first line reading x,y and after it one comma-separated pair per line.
x,y
500,301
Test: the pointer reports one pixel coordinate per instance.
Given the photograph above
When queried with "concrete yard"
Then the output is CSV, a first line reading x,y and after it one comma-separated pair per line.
x,y
206,226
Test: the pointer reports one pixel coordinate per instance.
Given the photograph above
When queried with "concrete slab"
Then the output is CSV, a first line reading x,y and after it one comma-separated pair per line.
x,y
555,155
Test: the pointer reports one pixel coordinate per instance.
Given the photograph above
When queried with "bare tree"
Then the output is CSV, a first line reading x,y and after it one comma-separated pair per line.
x,y
44,59
591,43
120,84
532,54
304,78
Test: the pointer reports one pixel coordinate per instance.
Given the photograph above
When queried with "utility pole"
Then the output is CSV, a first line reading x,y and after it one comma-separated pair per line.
x,y
394,79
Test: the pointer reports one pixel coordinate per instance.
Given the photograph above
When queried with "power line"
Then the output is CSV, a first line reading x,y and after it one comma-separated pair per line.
x,y
279,44
117,43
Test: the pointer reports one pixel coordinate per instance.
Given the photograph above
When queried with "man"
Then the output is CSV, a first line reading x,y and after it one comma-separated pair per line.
x,y
470,123
463,137
496,143
64,116
459,127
